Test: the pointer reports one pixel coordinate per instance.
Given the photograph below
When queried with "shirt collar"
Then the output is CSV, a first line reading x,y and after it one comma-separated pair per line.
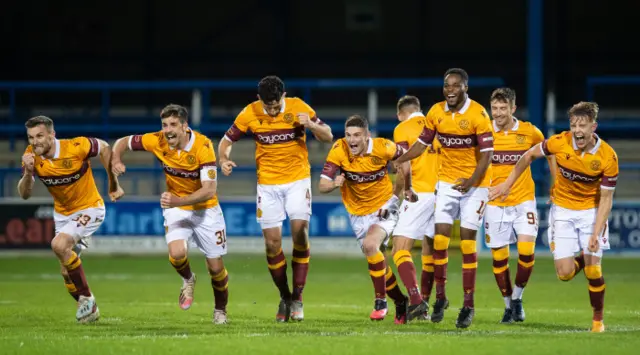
x,y
56,155
514,128
464,108
595,147
192,139
415,114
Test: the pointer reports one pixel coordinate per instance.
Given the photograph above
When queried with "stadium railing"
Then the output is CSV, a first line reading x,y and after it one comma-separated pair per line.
x,y
614,125
205,123
201,93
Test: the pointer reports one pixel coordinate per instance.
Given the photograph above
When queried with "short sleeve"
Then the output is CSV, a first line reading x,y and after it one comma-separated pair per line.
x,y
303,107
85,147
400,137
207,162
484,132
392,151
333,163
429,131
610,173
240,125
147,141
552,145
537,136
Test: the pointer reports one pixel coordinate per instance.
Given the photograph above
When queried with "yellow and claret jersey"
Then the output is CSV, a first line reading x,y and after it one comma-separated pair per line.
x,y
367,186
463,136
424,169
508,148
184,170
580,176
68,175
281,148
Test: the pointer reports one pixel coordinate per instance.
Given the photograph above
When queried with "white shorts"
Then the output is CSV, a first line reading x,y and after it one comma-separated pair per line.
x,y
503,224
206,228
468,208
361,224
416,219
80,225
276,202
570,230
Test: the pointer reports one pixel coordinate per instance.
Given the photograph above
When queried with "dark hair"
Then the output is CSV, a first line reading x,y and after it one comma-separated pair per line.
x,y
356,121
38,120
585,109
408,100
270,89
507,95
463,74
175,111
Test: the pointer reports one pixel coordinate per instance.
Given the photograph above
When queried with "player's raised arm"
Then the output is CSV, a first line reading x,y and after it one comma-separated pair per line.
x,y
403,182
331,177
538,137
25,185
224,151
426,138
310,120
320,130
105,153
502,190
234,133
402,185
119,147
137,142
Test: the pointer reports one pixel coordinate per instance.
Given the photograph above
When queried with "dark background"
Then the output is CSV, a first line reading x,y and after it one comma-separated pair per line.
x,y
152,40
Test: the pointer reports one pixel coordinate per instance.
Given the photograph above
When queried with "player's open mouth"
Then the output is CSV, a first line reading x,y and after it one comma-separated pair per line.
x,y
353,147
579,139
170,136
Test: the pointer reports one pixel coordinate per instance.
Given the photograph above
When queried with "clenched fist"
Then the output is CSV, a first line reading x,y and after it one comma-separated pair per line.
x,y
28,160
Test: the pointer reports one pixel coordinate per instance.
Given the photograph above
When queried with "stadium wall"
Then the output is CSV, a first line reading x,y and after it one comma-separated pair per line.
x,y
136,227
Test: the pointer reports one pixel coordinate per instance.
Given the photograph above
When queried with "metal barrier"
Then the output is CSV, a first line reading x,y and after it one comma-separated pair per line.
x,y
618,126
202,94
106,127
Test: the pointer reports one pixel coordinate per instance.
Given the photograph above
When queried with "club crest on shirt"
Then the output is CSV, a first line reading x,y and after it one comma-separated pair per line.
x,y
376,160
67,164
211,174
288,117
595,165
521,139
464,124
191,159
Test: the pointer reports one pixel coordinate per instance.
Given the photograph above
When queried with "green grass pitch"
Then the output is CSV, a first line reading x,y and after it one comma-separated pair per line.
x,y
138,297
